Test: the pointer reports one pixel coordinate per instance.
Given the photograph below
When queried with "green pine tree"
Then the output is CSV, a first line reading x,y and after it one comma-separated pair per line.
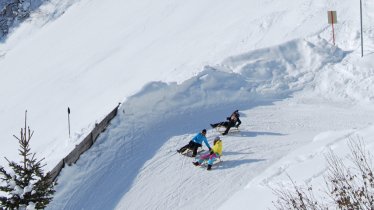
x,y
26,185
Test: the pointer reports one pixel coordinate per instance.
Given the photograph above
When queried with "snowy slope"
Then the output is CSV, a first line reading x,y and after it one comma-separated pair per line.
x,y
97,53
178,66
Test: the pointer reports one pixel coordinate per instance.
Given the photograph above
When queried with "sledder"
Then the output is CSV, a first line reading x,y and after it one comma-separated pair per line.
x,y
232,121
214,153
221,129
195,143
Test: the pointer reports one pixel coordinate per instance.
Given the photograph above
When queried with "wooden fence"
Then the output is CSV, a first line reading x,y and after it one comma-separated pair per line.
x,y
82,147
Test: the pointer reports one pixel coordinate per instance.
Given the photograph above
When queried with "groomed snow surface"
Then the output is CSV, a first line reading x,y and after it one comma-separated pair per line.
x,y
177,67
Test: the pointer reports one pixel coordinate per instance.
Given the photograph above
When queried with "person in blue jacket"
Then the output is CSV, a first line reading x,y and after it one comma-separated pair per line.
x,y
195,143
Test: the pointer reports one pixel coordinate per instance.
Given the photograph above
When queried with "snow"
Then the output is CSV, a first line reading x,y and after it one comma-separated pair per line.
x,y
31,206
176,67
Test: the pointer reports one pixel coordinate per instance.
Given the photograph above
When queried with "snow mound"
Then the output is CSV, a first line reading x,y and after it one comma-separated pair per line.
x,y
351,80
290,66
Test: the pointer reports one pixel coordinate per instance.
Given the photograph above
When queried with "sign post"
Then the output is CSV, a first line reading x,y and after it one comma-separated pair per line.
x,y
69,120
362,41
332,19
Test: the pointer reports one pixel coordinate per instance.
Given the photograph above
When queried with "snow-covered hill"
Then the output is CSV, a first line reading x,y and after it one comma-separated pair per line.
x,y
178,66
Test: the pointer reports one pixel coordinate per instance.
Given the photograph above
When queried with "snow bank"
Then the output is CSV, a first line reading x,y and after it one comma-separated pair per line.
x,y
306,166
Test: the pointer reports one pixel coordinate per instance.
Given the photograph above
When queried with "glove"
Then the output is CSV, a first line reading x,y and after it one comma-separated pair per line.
x,y
211,152
228,118
236,126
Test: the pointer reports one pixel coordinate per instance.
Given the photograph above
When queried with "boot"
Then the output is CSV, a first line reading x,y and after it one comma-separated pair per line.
x,y
209,167
196,163
194,152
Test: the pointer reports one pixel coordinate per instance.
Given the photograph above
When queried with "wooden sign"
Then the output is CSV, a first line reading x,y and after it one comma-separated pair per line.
x,y
332,18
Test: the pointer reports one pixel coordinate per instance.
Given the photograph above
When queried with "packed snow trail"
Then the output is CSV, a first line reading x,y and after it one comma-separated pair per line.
x,y
170,181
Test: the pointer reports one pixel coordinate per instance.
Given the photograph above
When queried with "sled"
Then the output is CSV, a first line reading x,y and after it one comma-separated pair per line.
x,y
188,152
221,129
216,162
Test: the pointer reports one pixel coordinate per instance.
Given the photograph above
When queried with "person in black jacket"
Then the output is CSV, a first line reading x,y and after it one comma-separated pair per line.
x,y
232,121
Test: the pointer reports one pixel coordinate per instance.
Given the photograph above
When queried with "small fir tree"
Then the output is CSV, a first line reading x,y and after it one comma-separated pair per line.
x,y
26,186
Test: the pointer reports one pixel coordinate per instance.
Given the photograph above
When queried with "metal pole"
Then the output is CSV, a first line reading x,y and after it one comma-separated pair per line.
x,y
69,120
362,41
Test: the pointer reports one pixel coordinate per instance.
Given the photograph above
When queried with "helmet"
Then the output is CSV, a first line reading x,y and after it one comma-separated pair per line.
x,y
216,139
